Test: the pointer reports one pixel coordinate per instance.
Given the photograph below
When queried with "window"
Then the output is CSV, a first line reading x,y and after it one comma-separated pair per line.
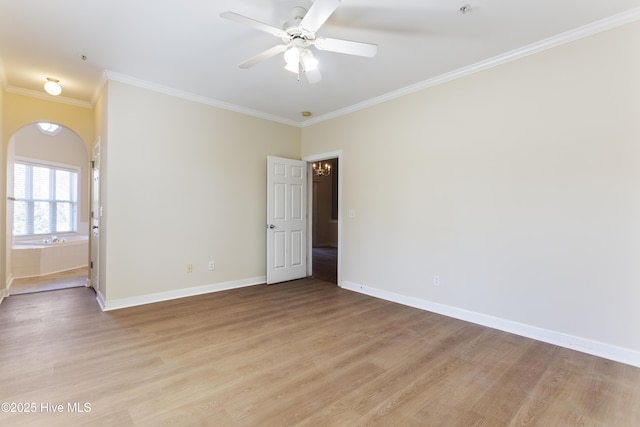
x,y
46,199
49,128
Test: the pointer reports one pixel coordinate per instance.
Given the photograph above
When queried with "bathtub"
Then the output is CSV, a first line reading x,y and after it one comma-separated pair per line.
x,y
34,257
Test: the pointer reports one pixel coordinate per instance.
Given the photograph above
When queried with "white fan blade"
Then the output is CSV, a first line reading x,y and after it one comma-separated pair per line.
x,y
313,76
253,23
345,46
263,56
317,15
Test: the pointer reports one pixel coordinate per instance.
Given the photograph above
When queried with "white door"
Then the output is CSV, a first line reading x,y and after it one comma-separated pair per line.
x,y
286,219
95,217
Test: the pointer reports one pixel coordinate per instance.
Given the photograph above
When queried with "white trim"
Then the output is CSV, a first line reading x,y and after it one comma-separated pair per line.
x,y
99,88
47,97
323,156
100,299
6,291
3,76
46,163
584,345
196,98
175,294
537,47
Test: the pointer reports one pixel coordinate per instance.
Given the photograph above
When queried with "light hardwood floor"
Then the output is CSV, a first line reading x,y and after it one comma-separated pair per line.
x,y
300,353
50,282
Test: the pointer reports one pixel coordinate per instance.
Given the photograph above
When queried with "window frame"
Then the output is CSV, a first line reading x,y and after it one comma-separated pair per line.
x,y
74,192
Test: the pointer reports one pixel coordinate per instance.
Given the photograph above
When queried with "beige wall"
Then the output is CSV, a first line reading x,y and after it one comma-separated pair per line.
x,y
518,186
186,184
22,110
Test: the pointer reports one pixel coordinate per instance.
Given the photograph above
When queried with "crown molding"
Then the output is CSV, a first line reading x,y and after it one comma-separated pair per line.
x,y
540,46
102,82
122,78
537,47
46,97
3,76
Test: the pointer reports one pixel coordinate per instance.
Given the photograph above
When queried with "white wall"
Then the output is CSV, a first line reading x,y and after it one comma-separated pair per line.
x,y
186,184
518,186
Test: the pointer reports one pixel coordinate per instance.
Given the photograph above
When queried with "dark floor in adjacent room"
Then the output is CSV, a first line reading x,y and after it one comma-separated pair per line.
x,y
325,264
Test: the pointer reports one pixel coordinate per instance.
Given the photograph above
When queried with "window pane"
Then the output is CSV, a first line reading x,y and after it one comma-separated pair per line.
x,y
19,181
40,183
41,217
63,185
63,217
46,199
73,179
19,218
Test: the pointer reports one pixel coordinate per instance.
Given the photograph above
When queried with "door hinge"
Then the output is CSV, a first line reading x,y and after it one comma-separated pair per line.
x,y
93,164
91,264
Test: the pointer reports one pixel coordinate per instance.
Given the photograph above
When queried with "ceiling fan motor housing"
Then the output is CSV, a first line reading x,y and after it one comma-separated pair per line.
x,y
294,31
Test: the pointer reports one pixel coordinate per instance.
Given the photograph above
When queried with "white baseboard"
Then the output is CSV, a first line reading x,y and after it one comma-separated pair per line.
x,y
5,292
107,305
607,351
100,299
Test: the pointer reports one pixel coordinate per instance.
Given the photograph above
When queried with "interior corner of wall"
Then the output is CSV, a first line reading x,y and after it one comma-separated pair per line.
x,y
100,299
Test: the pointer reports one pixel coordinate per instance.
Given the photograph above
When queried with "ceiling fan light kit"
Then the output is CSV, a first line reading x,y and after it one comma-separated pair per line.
x,y
292,58
298,35
308,60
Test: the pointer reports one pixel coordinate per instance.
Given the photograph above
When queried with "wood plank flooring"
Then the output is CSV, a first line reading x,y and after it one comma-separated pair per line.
x,y
302,353
50,282
325,264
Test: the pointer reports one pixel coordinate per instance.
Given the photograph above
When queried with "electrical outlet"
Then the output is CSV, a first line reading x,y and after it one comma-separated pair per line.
x,y
436,280
189,268
212,265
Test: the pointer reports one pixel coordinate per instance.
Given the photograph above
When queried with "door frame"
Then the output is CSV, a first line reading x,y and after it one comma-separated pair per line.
x,y
95,220
317,158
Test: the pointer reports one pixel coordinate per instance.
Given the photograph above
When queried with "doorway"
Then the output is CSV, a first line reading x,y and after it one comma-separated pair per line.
x,y
325,220
47,228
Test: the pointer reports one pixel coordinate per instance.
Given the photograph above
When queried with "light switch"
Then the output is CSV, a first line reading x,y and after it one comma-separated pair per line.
x,y
352,213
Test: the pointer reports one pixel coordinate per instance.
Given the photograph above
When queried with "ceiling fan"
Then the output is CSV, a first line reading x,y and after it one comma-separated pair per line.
x,y
298,35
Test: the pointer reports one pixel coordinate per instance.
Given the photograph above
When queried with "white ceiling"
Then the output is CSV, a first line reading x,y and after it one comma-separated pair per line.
x,y
185,48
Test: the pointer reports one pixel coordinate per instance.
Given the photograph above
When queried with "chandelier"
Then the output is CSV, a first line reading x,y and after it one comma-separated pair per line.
x,y
320,169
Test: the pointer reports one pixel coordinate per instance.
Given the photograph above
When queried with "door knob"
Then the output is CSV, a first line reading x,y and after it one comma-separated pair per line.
x,y
271,226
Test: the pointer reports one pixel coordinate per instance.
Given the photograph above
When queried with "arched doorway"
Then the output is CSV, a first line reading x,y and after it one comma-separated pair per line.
x,y
48,209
